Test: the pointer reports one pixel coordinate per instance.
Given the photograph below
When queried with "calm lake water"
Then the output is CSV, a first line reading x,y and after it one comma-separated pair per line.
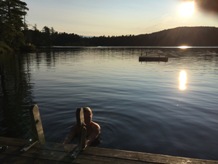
x,y
156,107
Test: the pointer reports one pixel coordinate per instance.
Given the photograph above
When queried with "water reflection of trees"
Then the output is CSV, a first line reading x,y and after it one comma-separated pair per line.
x,y
53,55
15,97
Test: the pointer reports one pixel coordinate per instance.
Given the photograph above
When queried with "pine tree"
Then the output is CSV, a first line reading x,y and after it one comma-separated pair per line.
x,y
12,14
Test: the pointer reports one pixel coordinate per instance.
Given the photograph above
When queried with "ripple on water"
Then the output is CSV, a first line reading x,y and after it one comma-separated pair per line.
x,y
138,105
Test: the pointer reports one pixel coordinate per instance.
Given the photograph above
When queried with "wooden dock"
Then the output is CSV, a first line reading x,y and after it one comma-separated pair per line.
x,y
19,151
59,153
153,59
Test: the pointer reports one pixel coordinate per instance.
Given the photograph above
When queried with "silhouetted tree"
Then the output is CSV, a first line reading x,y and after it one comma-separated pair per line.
x,y
12,13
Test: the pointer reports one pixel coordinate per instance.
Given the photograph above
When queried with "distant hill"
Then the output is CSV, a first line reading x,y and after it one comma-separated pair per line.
x,y
192,36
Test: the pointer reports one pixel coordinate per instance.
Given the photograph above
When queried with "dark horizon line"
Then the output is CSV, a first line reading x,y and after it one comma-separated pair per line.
x,y
142,33
126,47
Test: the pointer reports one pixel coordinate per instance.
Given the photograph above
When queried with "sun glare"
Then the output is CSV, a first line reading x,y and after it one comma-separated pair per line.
x,y
182,80
184,47
187,8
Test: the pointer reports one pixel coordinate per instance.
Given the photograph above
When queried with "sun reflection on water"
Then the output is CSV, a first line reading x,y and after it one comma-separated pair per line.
x,y
182,80
184,47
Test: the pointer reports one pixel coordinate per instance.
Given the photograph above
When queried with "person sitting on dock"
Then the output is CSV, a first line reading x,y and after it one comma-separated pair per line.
x,y
85,128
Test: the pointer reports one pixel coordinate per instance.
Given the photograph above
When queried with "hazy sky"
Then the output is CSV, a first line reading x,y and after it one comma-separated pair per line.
x,y
115,17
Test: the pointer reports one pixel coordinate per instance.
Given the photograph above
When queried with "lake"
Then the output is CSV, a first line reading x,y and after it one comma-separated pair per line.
x,y
156,107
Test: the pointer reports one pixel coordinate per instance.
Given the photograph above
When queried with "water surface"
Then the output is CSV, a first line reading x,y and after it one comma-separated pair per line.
x,y
156,107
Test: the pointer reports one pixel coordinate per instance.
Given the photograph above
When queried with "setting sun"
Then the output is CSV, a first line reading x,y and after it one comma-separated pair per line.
x,y
187,8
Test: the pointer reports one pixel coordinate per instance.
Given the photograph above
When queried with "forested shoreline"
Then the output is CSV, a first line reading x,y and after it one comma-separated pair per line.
x,y
15,35
192,36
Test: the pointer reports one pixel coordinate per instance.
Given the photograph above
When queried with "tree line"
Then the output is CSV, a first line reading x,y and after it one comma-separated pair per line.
x,y
192,36
49,37
15,34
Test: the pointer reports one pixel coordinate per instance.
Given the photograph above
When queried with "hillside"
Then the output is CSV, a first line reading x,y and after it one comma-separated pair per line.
x,y
192,36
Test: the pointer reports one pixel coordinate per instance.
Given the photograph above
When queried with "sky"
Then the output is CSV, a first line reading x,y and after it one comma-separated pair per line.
x,y
115,17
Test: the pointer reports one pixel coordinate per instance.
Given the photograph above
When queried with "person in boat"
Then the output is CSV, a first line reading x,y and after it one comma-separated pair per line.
x,y
85,128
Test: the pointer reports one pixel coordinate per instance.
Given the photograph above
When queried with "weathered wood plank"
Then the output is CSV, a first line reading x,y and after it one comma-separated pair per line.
x,y
140,156
47,152
37,152
47,146
83,158
59,153
7,159
38,124
12,141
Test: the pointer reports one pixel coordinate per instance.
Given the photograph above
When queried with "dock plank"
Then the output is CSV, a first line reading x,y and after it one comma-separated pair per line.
x,y
37,152
26,160
12,141
145,157
59,153
106,160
